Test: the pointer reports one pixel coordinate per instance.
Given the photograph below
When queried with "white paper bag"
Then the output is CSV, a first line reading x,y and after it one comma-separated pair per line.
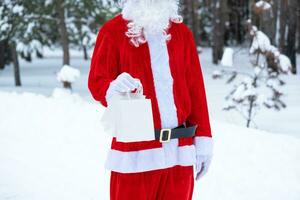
x,y
108,121
129,117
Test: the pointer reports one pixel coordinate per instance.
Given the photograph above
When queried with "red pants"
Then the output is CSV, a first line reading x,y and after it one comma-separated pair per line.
x,y
176,183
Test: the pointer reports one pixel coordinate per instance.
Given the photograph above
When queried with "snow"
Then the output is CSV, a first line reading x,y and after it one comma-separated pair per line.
x,y
243,91
261,99
53,147
199,49
56,52
217,74
68,74
239,93
50,151
48,2
250,164
260,42
17,9
263,4
227,58
33,45
274,84
284,63
4,26
257,70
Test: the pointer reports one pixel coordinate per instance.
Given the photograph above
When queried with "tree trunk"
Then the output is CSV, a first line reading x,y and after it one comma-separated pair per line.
x,y
2,57
218,29
238,13
67,85
298,26
283,22
274,21
249,117
291,38
266,20
195,20
241,18
63,32
16,65
85,54
185,11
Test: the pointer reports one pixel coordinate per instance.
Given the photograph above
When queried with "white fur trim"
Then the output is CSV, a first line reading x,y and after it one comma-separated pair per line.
x,y
204,145
151,159
163,80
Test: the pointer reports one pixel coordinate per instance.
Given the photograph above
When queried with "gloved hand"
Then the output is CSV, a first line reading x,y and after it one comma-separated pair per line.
x,y
202,165
204,149
123,83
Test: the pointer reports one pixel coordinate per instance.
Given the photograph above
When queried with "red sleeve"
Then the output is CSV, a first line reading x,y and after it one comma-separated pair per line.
x,y
104,66
199,111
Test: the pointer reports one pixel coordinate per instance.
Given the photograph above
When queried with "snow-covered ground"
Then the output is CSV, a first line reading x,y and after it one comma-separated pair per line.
x,y
53,147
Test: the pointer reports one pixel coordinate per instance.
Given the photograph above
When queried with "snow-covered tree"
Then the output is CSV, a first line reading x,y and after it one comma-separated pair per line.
x,y
260,87
29,25
87,18
23,30
77,22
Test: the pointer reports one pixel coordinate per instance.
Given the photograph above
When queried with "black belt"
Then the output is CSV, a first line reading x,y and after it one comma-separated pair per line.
x,y
166,134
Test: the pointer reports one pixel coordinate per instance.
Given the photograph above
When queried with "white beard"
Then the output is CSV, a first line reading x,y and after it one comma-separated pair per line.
x,y
149,17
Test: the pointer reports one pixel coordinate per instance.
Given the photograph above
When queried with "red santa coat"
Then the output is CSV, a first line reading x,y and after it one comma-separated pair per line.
x,y
114,54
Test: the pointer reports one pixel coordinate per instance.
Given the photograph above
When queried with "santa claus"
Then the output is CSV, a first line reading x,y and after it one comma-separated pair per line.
x,y
148,44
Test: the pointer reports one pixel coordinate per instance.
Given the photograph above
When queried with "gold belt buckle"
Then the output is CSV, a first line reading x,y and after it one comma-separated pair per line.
x,y
162,133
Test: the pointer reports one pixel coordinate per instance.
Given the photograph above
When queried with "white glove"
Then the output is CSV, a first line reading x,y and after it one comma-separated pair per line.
x,y
123,83
204,149
202,165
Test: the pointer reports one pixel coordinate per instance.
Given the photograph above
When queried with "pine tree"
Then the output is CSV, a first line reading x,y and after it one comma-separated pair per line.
x,y
23,31
78,22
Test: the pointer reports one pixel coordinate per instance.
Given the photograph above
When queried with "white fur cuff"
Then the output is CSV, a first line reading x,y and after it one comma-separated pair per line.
x,y
204,145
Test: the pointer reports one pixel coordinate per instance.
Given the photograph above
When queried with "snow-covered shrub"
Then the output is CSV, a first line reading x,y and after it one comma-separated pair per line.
x,y
227,58
67,75
260,87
